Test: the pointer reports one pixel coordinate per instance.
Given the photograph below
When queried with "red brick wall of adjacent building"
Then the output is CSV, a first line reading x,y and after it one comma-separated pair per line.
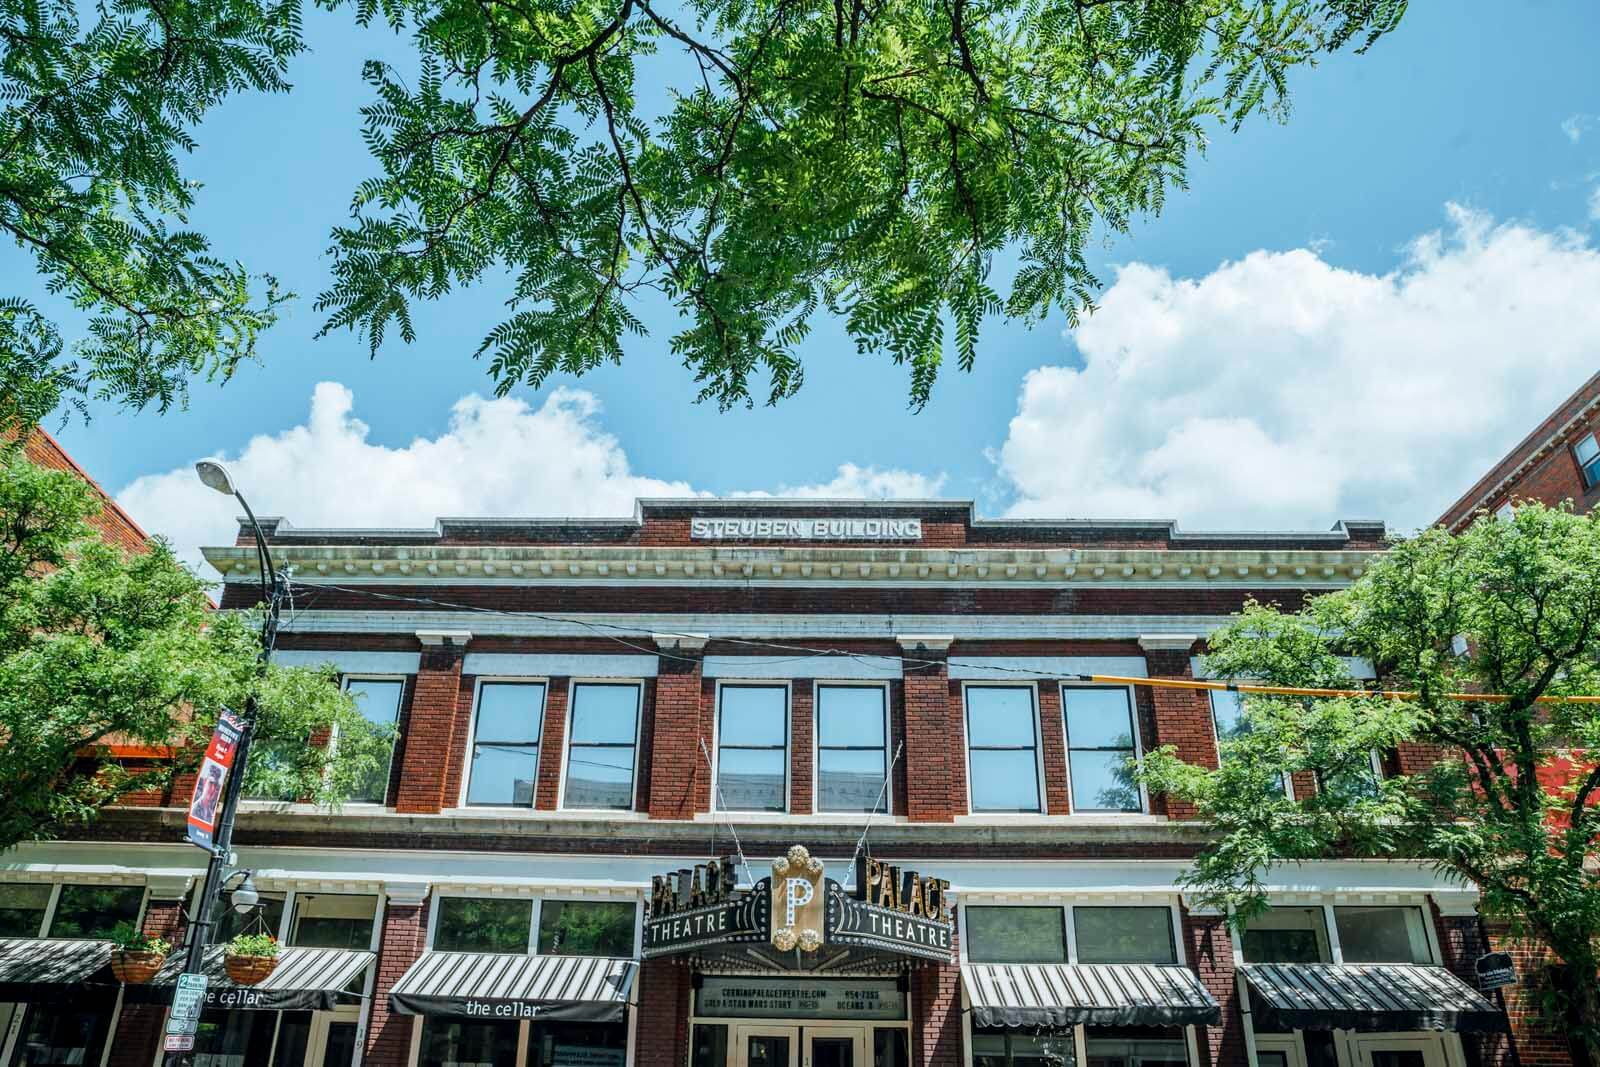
x,y
140,1026
1209,946
936,1005
433,724
663,1026
115,526
405,933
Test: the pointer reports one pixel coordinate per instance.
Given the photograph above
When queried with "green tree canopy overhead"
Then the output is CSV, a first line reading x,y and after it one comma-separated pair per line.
x,y
98,645
1508,607
757,161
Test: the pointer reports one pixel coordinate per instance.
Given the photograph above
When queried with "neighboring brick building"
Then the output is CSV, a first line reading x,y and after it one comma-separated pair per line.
x,y
114,525
1559,461
587,711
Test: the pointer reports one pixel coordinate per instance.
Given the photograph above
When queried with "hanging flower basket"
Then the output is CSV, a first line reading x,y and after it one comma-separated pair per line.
x,y
135,968
250,958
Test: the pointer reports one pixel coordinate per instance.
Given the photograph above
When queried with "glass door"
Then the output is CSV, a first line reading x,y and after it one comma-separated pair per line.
x,y
835,1046
329,1042
1400,1051
765,1045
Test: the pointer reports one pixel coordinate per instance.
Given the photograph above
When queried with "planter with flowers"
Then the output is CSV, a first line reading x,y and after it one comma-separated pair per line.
x,y
135,955
250,958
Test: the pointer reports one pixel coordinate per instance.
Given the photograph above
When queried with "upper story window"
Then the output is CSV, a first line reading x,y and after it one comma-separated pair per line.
x,y
1588,453
852,748
22,908
333,920
378,700
586,928
94,911
1015,935
753,747
1382,935
482,924
1287,935
1100,742
506,727
600,754
1124,935
1229,721
1002,748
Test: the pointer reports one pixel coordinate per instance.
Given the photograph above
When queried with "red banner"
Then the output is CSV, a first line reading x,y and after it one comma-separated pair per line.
x,y
206,804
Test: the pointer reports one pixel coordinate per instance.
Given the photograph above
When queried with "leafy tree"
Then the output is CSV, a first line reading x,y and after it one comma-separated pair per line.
x,y
100,646
96,103
1509,607
756,161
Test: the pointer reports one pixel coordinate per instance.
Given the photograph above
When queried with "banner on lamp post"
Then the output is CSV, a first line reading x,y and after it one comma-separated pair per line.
x,y
212,781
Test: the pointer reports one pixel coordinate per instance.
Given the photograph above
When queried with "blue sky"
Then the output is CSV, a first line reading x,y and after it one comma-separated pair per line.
x,y
1286,345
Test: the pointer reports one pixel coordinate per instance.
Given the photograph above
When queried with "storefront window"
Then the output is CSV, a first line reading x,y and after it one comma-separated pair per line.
x,y
62,1035
1287,935
333,920
752,748
577,1045
468,1044
1100,733
889,1047
1003,1048
478,924
1135,1047
586,928
605,728
1124,935
265,917
852,738
1016,935
1002,747
22,908
236,1038
378,700
505,743
1382,935
94,911
710,1045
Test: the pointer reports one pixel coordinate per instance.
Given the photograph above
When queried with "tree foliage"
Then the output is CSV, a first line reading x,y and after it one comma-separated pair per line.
x,y
96,104
1509,607
101,646
759,161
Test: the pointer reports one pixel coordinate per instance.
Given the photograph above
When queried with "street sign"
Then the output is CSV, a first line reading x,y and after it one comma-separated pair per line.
x,y
187,1001
1496,970
179,1043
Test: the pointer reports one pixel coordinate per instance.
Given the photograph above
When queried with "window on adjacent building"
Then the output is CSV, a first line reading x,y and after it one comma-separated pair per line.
x,y
22,908
1382,935
1588,453
1015,935
753,748
1124,935
1002,748
482,924
1100,732
505,743
586,928
1002,1048
1287,935
94,911
852,746
378,700
333,920
600,756
1135,1046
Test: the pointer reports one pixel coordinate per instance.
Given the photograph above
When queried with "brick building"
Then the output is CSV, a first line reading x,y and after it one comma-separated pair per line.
x,y
763,784
1558,461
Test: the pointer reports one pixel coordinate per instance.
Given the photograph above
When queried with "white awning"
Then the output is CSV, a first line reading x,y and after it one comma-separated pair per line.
x,y
1373,997
33,968
1090,994
306,979
497,985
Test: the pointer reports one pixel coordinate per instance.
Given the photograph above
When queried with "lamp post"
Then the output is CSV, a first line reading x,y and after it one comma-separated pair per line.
x,y
274,587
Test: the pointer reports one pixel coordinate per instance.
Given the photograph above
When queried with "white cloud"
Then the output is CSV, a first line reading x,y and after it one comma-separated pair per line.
x,y
875,483
497,457
1576,125
1281,391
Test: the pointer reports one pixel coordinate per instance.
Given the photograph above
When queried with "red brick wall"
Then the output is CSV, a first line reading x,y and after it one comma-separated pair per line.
x,y
115,526
936,1008
405,932
1053,746
432,722
139,1026
551,743
1209,946
801,727
679,780
1538,1045
1182,718
933,731
662,1038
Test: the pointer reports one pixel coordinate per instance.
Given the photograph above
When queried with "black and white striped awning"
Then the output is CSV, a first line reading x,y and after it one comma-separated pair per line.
x,y
1090,994
1384,997
306,979
488,985
41,968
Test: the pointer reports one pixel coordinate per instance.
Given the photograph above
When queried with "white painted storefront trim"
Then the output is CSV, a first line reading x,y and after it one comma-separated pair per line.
x,y
351,662
1000,668
844,667
559,665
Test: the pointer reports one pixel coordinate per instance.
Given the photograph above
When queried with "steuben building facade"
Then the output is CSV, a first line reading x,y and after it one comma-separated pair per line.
x,y
760,784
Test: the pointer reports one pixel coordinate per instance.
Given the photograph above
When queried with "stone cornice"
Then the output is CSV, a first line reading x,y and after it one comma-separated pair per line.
x,y
489,564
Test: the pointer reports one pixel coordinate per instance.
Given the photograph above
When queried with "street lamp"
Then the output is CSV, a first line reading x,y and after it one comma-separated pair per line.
x,y
274,589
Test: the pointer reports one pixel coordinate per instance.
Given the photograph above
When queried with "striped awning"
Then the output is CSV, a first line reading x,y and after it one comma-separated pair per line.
x,y
490,985
306,979
1385,997
37,968
1091,994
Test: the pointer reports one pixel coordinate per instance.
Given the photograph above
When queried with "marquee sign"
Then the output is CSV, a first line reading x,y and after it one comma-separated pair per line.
x,y
891,912
769,529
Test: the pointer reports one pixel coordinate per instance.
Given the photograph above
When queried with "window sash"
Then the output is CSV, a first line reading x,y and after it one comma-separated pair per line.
x,y
376,789
881,749
723,747
1135,795
1051,933
973,748
515,912
528,748
1164,950
576,748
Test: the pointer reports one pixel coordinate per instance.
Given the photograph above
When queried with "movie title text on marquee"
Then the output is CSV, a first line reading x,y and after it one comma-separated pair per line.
x,y
703,529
